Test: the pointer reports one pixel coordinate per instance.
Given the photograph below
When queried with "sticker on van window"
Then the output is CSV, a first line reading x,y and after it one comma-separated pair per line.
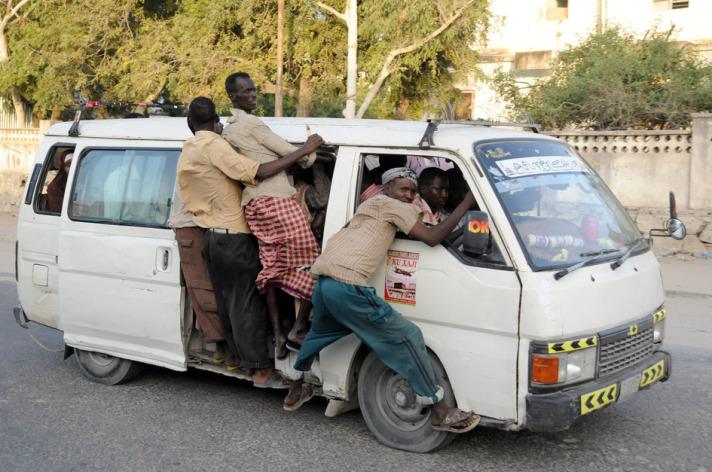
x,y
401,268
523,166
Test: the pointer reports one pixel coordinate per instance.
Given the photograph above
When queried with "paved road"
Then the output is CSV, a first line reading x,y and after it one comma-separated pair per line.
x,y
53,419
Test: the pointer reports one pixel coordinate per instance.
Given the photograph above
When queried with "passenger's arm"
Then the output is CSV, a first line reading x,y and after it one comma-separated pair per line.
x,y
271,168
433,235
266,137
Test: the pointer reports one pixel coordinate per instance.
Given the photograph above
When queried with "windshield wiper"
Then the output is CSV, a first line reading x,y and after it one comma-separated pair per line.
x,y
633,246
591,258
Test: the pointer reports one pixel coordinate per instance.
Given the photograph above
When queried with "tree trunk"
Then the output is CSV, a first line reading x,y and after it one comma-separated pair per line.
x,y
278,105
56,114
305,97
351,64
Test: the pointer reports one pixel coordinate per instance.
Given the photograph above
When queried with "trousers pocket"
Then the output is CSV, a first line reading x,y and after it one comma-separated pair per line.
x,y
380,311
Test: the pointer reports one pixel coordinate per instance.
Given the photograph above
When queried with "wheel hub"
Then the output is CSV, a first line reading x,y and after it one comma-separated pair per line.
x,y
402,401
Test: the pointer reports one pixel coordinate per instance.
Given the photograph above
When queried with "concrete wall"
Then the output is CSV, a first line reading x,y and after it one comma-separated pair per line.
x,y
641,167
17,152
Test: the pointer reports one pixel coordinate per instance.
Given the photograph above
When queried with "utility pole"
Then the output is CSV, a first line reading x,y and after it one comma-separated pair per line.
x,y
351,67
278,92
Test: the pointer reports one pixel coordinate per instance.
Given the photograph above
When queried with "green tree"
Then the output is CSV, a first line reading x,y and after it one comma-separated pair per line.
x,y
612,80
419,49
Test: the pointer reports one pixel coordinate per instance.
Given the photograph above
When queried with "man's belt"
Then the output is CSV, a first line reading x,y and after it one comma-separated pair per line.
x,y
225,231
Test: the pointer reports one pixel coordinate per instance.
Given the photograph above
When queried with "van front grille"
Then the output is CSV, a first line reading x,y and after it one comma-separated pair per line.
x,y
620,350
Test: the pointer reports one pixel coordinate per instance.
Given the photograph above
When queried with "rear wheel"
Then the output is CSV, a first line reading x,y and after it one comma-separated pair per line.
x,y
106,369
389,406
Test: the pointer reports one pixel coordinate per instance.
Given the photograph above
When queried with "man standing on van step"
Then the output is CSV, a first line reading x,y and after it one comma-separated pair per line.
x,y
287,244
344,303
210,174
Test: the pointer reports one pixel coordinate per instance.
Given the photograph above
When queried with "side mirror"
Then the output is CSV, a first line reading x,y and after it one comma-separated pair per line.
x,y
476,241
674,228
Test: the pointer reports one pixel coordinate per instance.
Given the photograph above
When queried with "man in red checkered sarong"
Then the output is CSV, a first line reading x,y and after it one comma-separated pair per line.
x,y
286,243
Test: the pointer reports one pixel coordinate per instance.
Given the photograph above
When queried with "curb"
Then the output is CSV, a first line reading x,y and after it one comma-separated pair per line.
x,y
682,293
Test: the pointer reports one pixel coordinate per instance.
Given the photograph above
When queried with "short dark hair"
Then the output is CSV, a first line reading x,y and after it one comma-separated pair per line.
x,y
230,81
202,110
428,176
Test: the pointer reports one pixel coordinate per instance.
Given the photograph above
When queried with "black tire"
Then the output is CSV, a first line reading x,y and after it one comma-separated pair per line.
x,y
388,405
106,369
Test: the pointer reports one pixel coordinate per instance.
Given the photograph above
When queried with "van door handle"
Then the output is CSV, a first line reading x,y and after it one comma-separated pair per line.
x,y
163,257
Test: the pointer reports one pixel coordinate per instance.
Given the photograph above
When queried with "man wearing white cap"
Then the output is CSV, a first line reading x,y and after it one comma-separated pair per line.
x,y
344,303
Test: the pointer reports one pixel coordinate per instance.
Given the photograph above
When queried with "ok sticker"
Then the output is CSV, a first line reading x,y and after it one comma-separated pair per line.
x,y
478,227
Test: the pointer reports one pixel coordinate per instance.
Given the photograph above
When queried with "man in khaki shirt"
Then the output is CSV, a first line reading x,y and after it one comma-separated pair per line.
x,y
344,303
286,241
210,178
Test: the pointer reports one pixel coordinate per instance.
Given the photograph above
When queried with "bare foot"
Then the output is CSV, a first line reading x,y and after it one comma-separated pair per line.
x,y
296,337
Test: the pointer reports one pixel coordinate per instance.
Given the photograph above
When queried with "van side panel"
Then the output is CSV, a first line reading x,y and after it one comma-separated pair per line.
x,y
38,245
114,297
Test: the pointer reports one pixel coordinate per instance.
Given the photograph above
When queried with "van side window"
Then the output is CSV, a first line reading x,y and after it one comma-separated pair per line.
x,y
53,180
124,186
441,187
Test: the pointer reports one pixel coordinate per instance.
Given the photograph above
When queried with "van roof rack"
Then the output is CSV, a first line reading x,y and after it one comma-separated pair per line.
x,y
427,140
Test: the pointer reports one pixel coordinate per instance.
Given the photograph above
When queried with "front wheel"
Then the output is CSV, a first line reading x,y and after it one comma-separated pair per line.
x,y
389,406
106,369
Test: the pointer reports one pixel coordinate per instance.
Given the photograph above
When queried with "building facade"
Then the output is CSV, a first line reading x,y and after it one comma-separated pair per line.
x,y
527,35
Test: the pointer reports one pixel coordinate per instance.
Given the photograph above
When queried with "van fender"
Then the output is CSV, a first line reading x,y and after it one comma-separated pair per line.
x,y
340,382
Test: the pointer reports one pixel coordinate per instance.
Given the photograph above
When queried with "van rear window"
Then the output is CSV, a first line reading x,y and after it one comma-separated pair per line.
x,y
124,186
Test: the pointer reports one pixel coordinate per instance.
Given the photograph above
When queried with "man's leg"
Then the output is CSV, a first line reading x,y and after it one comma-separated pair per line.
x,y
248,317
324,331
198,282
399,344
211,253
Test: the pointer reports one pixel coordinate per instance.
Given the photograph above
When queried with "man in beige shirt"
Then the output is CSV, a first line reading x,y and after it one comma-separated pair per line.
x,y
344,303
286,242
210,178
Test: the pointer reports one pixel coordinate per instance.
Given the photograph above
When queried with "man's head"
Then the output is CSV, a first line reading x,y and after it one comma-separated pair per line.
x,y
433,187
241,90
202,116
400,183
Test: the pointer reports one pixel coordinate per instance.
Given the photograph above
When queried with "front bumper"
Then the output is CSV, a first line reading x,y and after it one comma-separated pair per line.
x,y
20,316
557,411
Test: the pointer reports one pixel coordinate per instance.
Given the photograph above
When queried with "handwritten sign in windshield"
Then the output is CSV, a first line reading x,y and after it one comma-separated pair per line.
x,y
521,167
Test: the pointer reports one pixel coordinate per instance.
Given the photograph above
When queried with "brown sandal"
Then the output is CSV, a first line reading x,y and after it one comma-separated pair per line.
x,y
457,421
306,393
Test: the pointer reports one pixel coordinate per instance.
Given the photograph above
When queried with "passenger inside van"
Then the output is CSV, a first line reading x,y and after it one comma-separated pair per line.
x,y
433,192
56,188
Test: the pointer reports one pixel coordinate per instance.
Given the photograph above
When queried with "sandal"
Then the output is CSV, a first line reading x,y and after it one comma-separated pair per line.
x,y
293,346
306,393
457,421
274,381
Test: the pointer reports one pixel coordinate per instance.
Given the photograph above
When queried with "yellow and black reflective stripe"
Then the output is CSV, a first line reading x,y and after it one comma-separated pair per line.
x,y
658,316
572,345
598,398
652,374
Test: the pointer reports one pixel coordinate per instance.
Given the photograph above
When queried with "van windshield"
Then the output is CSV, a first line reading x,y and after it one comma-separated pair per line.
x,y
561,210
